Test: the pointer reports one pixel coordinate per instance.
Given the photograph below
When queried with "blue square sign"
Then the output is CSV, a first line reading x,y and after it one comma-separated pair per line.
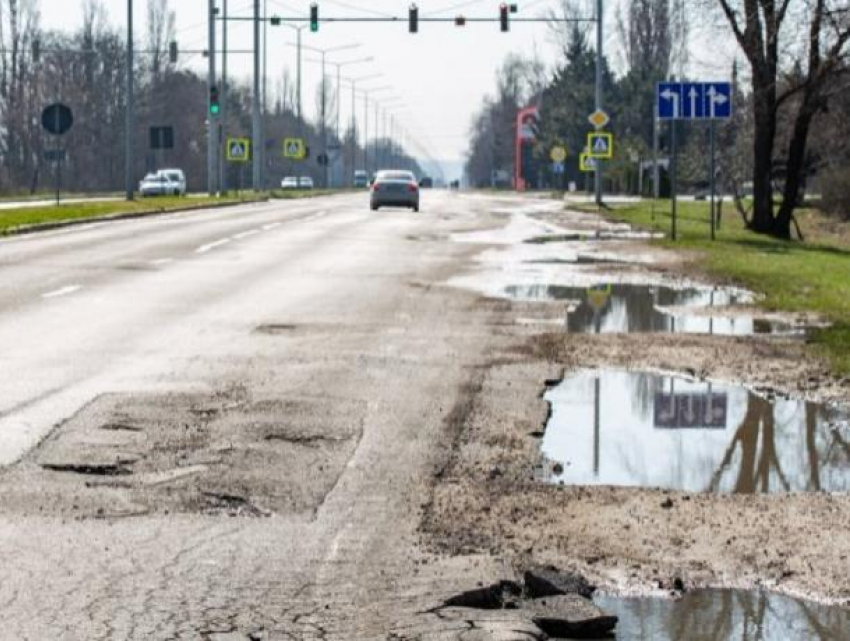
x,y
693,100
718,100
669,100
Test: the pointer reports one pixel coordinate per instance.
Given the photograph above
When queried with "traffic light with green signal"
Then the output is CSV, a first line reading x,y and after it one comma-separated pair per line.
x,y
215,105
314,17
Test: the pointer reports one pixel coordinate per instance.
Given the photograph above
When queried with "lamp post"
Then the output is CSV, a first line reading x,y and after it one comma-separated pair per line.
x,y
129,116
366,94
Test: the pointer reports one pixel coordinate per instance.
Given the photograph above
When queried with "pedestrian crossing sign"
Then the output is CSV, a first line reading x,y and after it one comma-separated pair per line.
x,y
587,163
600,144
294,148
238,149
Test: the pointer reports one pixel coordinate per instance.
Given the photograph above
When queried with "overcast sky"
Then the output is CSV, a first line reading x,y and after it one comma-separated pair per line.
x,y
439,75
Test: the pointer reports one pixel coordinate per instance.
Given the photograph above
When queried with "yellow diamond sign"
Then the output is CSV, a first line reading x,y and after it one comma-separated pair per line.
x,y
599,119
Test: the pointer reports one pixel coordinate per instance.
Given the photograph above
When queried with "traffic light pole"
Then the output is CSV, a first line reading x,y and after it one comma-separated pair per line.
x,y
212,119
222,164
257,141
129,115
599,61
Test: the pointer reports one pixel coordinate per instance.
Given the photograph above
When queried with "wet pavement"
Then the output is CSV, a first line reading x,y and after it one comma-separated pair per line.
x,y
631,308
717,615
638,429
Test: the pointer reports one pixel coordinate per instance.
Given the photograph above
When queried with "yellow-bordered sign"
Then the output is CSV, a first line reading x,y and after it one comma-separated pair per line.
x,y
600,144
238,149
586,163
558,154
294,148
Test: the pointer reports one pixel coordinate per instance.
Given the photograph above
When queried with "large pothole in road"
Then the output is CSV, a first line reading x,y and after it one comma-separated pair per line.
x,y
706,615
632,308
221,454
638,429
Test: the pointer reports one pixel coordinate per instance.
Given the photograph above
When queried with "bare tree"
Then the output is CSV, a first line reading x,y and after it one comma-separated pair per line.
x,y
796,49
160,33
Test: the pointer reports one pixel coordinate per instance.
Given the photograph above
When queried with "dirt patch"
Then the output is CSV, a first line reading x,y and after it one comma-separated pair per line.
x,y
221,454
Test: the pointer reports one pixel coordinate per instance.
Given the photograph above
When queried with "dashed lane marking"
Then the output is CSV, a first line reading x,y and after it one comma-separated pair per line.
x,y
64,291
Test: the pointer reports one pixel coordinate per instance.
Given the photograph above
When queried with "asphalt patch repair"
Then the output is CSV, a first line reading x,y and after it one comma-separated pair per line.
x,y
220,454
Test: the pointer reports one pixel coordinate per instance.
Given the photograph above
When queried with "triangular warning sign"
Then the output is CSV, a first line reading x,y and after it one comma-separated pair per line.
x,y
600,146
237,150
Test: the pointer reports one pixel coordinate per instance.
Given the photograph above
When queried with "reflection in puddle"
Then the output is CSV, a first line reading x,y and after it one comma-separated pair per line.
x,y
627,308
718,615
636,429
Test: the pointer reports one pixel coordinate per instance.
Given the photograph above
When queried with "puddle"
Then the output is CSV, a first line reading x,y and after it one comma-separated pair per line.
x,y
645,430
717,615
632,308
576,236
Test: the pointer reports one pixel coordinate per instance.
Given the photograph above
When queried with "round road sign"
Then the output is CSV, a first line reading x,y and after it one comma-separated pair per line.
x,y
57,118
558,154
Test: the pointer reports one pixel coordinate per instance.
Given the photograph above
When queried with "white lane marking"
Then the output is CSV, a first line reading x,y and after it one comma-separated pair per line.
x,y
203,249
162,261
70,289
246,234
315,216
270,226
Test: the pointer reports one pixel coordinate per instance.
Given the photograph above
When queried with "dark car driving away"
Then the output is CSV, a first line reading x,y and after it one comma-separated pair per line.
x,y
395,188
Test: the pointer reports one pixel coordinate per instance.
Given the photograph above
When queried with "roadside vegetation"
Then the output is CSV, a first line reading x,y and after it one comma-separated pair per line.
x,y
810,276
12,220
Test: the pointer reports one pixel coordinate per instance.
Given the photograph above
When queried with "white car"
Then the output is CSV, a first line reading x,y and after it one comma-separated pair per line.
x,y
177,177
157,185
305,182
289,182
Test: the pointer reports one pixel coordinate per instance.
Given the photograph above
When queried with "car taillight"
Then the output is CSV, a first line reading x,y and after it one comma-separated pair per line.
x,y
375,187
413,187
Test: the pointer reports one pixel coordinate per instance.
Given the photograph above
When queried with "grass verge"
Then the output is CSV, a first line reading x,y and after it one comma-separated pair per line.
x,y
811,276
16,218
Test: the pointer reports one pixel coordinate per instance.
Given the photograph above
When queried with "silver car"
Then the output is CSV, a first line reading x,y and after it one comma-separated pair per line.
x,y
396,188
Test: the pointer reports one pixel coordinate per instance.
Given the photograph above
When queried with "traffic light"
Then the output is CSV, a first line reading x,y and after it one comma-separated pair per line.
x,y
314,17
215,105
503,17
413,19
172,52
276,21
460,21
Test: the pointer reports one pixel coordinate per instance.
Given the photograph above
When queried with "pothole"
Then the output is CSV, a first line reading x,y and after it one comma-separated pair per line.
x,y
274,329
645,430
726,614
592,235
634,308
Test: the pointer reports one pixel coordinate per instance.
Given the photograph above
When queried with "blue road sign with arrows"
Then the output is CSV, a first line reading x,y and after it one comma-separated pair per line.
x,y
694,100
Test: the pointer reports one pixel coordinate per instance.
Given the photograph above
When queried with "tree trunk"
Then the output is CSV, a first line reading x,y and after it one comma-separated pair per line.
x,y
764,122
795,174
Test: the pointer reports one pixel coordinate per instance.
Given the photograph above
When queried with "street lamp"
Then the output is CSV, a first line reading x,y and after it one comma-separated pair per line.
x,y
366,94
323,53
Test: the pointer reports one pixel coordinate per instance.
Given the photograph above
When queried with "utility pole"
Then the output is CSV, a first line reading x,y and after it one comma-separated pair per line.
x,y
264,102
599,60
222,163
212,138
325,120
366,131
656,174
129,115
257,126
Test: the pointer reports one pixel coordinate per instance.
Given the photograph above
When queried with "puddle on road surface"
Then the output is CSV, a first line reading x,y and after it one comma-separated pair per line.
x,y
631,308
646,430
718,615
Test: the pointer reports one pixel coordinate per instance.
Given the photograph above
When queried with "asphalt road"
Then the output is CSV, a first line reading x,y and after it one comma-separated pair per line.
x,y
318,319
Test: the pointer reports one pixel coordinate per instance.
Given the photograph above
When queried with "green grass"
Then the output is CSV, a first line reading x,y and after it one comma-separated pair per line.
x,y
12,219
792,276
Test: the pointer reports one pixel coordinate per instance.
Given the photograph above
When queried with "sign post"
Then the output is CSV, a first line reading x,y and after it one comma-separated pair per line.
x,y
57,119
693,101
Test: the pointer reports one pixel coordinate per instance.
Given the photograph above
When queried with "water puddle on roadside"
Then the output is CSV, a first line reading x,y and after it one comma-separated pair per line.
x,y
717,615
645,430
630,308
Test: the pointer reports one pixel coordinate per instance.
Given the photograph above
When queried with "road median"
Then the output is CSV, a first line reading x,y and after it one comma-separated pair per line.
x,y
28,219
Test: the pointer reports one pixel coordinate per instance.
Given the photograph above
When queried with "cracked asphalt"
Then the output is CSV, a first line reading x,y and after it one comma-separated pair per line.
x,y
330,311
